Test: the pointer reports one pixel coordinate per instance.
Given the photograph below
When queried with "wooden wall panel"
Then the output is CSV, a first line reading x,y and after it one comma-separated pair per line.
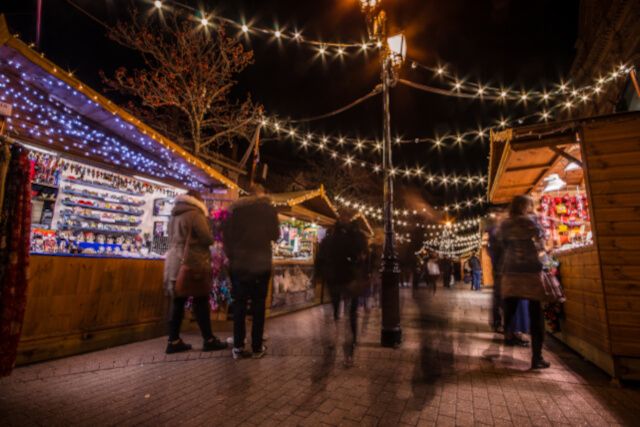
x,y
585,314
78,304
613,169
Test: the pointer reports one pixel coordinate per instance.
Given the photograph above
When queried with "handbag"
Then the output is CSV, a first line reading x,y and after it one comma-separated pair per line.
x,y
192,282
523,285
552,288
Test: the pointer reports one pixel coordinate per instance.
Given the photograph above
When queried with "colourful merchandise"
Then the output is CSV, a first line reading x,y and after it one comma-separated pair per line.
x,y
15,224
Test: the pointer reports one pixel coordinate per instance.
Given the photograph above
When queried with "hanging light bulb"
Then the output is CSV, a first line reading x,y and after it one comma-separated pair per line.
x,y
157,4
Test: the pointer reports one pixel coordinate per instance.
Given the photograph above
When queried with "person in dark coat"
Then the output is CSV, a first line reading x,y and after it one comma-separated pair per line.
x,y
521,239
446,267
248,235
342,263
188,223
476,271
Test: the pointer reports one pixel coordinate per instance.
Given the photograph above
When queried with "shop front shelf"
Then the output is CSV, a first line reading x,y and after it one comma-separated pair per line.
x,y
103,187
101,199
96,208
43,184
102,231
98,220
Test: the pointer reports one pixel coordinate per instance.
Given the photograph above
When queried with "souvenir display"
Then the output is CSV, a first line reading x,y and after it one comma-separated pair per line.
x,y
80,209
565,218
297,240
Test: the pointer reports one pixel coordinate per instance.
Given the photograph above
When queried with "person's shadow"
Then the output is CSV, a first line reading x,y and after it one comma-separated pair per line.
x,y
436,352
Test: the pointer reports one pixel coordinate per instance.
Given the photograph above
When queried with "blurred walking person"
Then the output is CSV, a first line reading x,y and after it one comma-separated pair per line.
x,y
433,273
446,267
187,270
342,265
375,274
476,271
248,234
521,238
495,253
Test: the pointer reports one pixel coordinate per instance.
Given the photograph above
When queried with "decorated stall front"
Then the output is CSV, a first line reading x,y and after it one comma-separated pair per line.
x,y
585,178
102,189
304,219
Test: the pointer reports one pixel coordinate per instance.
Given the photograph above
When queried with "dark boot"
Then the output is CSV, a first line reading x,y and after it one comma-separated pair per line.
x,y
539,363
213,344
177,347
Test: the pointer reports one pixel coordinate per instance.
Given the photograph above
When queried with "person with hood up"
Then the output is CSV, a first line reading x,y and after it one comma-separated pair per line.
x,y
248,234
189,240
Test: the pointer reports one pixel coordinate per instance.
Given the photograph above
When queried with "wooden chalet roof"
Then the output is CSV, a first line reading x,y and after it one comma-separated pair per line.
x,y
52,108
363,223
312,204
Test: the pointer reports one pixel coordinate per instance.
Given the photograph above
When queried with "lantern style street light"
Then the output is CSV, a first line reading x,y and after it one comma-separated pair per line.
x,y
393,52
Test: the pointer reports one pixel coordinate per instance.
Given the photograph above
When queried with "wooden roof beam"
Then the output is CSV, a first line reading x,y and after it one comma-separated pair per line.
x,y
566,155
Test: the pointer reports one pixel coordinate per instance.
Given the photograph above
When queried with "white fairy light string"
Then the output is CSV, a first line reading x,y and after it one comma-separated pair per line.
x,y
322,48
376,213
322,145
475,90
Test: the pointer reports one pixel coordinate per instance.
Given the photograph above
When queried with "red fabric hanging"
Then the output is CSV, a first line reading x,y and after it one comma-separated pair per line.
x,y
15,223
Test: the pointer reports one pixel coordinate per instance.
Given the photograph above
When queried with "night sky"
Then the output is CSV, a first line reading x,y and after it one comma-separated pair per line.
x,y
516,43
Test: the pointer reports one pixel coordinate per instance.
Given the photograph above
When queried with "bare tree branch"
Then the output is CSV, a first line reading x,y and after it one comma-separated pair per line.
x,y
186,81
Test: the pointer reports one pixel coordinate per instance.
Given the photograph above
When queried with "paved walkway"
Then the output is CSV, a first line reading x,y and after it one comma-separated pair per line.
x,y
450,371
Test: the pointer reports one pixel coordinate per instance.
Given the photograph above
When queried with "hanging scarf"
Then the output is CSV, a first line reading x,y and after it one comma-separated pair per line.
x,y
15,224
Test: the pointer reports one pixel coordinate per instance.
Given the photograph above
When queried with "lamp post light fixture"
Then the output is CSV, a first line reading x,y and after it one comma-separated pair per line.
x,y
393,52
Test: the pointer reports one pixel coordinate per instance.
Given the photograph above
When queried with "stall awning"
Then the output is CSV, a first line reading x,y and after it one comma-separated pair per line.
x,y
363,223
522,157
53,109
313,205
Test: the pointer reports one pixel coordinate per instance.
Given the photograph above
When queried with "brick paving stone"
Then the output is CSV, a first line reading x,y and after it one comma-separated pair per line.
x,y
451,370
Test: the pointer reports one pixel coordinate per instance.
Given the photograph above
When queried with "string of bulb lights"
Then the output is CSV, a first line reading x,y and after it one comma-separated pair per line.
x,y
477,90
207,19
321,145
449,140
376,212
457,87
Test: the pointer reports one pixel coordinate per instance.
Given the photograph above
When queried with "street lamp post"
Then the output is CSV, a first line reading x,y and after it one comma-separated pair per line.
x,y
391,334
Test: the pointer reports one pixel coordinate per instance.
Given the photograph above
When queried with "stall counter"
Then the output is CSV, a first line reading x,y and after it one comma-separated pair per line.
x,y
77,304
293,286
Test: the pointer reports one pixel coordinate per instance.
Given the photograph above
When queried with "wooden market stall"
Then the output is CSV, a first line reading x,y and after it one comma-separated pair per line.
x,y
586,173
103,185
304,218
364,224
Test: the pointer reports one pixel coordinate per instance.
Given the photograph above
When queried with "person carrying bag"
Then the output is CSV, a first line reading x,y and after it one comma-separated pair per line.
x,y
187,270
522,275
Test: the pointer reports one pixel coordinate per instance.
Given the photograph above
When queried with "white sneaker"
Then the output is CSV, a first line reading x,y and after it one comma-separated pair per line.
x,y
259,354
239,353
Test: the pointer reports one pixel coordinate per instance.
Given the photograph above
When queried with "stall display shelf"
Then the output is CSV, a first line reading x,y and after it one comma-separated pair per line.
x,y
102,187
101,230
96,208
101,199
43,184
102,221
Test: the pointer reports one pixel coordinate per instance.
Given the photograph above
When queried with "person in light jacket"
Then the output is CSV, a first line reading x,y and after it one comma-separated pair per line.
x,y
189,215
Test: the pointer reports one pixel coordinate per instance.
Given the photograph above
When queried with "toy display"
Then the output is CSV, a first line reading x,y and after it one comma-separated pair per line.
x,y
81,209
565,218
